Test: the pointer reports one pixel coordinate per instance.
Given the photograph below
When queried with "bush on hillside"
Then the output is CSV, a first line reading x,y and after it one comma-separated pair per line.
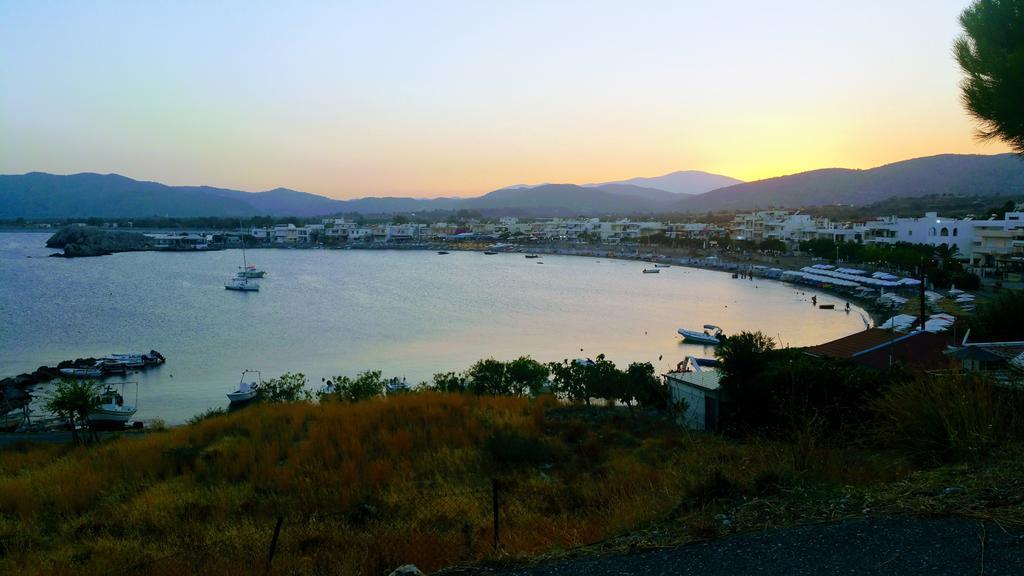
x,y
289,387
999,319
364,386
951,417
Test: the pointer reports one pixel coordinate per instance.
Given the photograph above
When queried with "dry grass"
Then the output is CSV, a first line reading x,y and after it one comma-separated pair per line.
x,y
369,486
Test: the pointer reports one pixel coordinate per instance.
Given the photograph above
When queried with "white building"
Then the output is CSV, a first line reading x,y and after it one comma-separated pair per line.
x,y
931,229
697,384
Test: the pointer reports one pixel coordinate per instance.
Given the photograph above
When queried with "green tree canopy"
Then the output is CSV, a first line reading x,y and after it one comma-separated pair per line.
x,y
289,387
991,55
364,386
73,401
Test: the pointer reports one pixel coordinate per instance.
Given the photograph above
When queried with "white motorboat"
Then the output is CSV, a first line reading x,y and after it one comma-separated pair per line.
x,y
246,390
396,386
651,270
112,412
128,360
242,285
92,372
711,335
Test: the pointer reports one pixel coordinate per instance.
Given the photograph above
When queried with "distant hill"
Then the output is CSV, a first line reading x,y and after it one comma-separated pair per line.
x,y
41,195
38,195
650,194
973,175
560,200
681,182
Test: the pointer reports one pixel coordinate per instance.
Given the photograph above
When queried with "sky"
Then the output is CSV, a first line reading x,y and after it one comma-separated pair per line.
x,y
442,98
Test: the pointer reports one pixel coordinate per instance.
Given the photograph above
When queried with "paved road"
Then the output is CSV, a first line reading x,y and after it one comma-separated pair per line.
x,y
882,546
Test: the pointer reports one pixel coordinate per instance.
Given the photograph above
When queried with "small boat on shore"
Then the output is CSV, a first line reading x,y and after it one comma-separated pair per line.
x,y
531,256
651,271
711,335
246,390
490,252
442,252
662,265
112,412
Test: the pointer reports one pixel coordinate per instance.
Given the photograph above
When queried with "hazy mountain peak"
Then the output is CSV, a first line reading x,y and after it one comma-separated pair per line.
x,y
680,182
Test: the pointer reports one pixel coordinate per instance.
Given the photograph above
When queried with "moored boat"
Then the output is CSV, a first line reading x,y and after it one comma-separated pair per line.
x,y
90,372
533,256
490,252
242,285
442,252
651,270
112,412
241,282
396,386
251,271
246,390
711,335
662,265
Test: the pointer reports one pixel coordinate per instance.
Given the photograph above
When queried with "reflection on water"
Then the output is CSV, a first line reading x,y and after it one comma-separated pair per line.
x,y
329,312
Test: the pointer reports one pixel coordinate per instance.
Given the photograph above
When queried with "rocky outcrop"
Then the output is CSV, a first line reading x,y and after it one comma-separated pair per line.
x,y
80,241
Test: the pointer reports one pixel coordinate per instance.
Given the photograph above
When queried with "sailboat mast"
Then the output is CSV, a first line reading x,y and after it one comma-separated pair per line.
x,y
241,234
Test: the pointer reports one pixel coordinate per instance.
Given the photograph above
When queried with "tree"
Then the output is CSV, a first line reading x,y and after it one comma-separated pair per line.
x,y
991,56
449,382
999,319
570,380
643,386
527,376
742,359
364,386
290,387
487,378
73,401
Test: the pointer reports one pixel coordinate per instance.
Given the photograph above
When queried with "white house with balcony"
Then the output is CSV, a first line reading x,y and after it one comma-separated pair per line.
x,y
931,229
999,244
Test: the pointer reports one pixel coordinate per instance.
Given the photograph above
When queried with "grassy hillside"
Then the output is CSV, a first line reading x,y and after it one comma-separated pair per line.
x,y
366,487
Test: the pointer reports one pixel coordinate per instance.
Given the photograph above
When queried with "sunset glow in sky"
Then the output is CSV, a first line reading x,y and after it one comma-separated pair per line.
x,y
460,98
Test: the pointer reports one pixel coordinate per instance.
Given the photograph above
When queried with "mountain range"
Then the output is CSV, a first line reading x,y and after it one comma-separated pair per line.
x,y
39,195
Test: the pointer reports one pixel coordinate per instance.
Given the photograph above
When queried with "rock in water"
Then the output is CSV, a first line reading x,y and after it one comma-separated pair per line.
x,y
80,241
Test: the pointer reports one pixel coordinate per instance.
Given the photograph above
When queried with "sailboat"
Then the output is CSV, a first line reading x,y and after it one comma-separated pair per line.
x,y
242,282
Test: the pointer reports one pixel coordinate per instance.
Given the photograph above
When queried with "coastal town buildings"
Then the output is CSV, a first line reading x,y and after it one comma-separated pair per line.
x,y
993,244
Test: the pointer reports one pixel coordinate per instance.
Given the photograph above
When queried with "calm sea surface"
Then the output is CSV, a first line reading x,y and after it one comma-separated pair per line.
x,y
330,312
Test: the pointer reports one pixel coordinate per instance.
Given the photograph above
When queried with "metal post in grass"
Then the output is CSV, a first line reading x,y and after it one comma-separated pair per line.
x,y
273,543
494,512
